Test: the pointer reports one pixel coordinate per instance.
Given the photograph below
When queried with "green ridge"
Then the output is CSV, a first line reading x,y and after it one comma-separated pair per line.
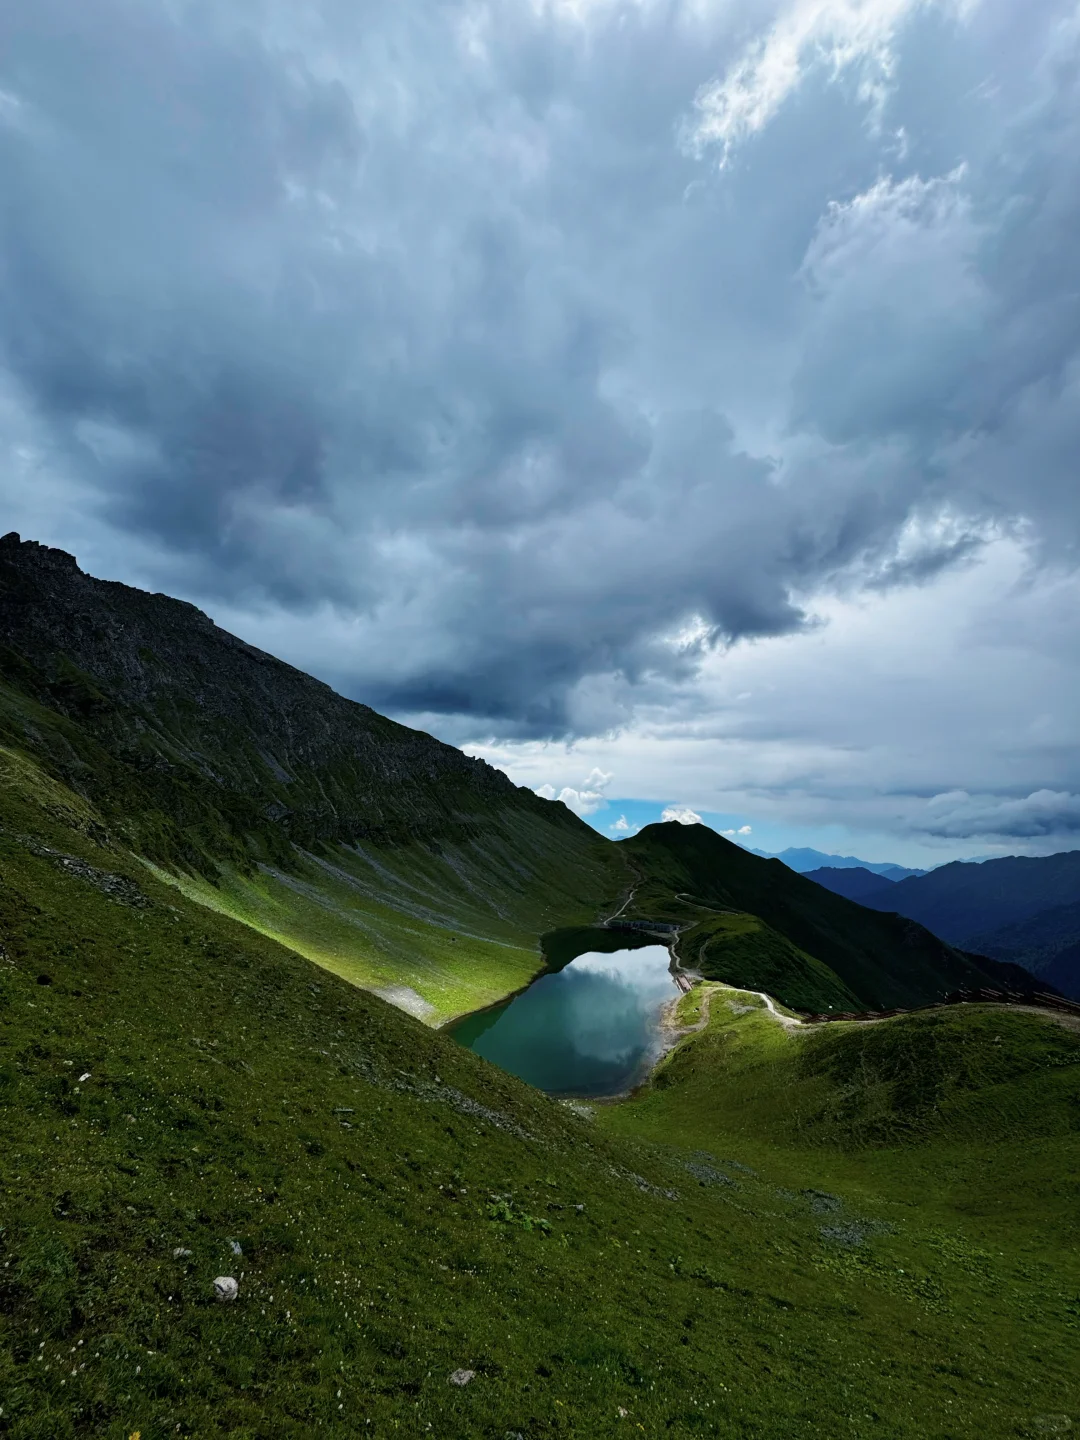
x,y
741,949
686,871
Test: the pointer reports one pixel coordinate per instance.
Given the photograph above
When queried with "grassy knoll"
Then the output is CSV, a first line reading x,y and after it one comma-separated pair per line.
x,y
942,1153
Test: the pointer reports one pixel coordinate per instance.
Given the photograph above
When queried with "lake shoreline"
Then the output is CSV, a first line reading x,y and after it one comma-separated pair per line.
x,y
579,1040
671,1035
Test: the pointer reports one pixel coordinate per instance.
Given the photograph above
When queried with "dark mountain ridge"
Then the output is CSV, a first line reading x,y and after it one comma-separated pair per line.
x,y
1046,943
1021,909
857,884
161,688
961,900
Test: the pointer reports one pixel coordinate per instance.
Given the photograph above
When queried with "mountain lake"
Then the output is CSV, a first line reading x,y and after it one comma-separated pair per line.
x,y
589,1029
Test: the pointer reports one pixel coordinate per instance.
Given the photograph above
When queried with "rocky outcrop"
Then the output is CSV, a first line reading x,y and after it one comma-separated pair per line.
x,y
267,749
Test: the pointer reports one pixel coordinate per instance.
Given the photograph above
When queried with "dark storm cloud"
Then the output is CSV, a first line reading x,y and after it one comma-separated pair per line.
x,y
1043,813
444,320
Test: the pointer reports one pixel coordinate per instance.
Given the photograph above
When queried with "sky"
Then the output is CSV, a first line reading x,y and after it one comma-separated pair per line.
x,y
676,402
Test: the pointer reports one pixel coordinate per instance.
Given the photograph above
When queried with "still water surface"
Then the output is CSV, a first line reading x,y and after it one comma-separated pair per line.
x,y
590,1029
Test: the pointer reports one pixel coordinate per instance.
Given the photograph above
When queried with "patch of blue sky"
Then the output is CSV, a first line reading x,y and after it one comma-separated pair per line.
x,y
622,818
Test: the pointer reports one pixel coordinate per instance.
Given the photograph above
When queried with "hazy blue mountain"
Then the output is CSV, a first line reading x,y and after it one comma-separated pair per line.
x,y
1021,909
965,902
1047,944
804,859
856,883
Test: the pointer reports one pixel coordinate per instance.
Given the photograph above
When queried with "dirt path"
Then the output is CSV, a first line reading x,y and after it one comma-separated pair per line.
x,y
616,913
639,880
793,1022
675,1034
789,1022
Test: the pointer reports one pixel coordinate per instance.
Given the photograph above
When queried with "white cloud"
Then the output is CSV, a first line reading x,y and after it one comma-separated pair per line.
x,y
833,34
742,830
683,814
621,826
585,800
970,682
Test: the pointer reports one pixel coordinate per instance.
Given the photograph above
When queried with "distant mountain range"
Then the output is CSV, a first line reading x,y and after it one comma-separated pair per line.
x,y
856,883
804,859
1023,909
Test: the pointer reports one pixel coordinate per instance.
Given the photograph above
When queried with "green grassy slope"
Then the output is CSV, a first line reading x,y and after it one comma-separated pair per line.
x,y
950,1075
741,949
884,959
458,926
172,1081
941,1151
455,919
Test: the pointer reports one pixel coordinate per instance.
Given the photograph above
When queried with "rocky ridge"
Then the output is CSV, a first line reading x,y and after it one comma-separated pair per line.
x,y
167,693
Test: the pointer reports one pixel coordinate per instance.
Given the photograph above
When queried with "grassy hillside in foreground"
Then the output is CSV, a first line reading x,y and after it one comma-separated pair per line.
x,y
686,871
944,1151
396,1210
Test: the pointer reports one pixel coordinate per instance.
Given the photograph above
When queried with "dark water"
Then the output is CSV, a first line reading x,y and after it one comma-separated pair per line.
x,y
589,1029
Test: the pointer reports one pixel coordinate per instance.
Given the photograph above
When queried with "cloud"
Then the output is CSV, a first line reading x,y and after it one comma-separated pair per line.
x,y
970,683
584,801
682,814
828,35
742,830
622,826
1042,813
422,350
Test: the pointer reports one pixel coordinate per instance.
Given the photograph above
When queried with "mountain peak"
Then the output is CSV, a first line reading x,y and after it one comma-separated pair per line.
x,y
15,547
